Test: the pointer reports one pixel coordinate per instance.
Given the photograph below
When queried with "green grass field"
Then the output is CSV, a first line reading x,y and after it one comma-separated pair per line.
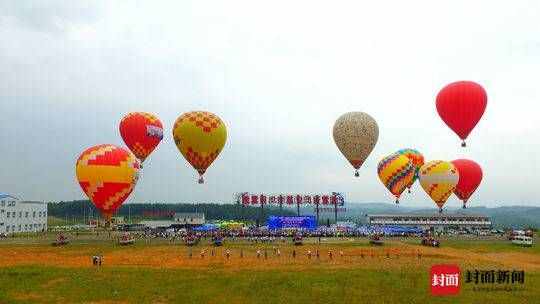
x,y
159,272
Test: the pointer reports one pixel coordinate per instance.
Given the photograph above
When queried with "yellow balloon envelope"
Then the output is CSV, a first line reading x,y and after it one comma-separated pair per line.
x,y
200,137
396,172
439,179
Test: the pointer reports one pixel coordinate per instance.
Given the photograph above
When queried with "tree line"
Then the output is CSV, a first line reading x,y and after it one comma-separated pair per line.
x,y
212,211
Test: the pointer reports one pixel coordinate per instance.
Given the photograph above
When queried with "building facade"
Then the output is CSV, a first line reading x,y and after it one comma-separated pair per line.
x,y
194,219
21,216
432,221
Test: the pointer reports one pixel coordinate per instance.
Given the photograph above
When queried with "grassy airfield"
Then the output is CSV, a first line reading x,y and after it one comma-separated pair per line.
x,y
158,271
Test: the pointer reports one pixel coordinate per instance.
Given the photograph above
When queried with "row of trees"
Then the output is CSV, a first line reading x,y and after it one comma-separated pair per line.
x,y
85,209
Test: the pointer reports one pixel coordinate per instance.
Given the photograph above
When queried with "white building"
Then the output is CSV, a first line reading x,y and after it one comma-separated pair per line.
x,y
189,219
21,216
438,221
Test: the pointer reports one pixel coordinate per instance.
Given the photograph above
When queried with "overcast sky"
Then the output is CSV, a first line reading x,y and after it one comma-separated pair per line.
x,y
279,73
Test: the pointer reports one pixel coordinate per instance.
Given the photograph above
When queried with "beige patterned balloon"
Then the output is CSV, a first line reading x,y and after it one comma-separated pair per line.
x,y
356,134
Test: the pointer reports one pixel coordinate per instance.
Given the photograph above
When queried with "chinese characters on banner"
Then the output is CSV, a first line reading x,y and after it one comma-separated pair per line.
x,y
332,199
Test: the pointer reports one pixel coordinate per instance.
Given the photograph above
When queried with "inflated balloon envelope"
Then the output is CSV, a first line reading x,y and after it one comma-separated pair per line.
x,y
470,177
142,132
107,174
396,172
461,105
439,179
199,136
355,134
417,159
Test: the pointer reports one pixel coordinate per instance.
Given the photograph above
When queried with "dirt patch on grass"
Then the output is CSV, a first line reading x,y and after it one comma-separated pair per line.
x,y
392,255
27,297
53,282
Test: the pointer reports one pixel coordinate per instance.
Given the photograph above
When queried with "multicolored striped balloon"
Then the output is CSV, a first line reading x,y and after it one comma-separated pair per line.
x,y
107,174
417,159
396,172
439,179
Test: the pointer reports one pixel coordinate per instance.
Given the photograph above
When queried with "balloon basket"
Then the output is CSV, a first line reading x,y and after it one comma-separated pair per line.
x,y
201,180
464,144
356,173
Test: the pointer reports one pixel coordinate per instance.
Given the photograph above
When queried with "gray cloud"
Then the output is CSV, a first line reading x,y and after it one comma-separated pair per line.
x,y
279,76
48,16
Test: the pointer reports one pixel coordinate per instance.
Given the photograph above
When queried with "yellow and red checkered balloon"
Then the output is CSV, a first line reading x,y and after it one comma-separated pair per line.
x,y
107,174
200,137
439,179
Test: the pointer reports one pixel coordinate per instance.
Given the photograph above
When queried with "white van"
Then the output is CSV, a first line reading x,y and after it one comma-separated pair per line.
x,y
522,240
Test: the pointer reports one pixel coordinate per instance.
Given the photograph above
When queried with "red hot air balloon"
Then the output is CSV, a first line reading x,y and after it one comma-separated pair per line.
x,y
141,132
470,176
461,105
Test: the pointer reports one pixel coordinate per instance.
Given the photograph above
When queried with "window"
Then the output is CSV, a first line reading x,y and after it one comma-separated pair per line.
x,y
26,214
19,228
7,228
25,227
34,214
8,214
3,204
20,214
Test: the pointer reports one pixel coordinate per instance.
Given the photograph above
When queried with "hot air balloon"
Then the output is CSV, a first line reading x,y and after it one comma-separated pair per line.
x,y
200,137
461,105
356,134
470,176
107,174
417,159
396,172
439,179
141,132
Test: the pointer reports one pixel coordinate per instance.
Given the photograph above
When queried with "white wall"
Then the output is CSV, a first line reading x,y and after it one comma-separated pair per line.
x,y
21,216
